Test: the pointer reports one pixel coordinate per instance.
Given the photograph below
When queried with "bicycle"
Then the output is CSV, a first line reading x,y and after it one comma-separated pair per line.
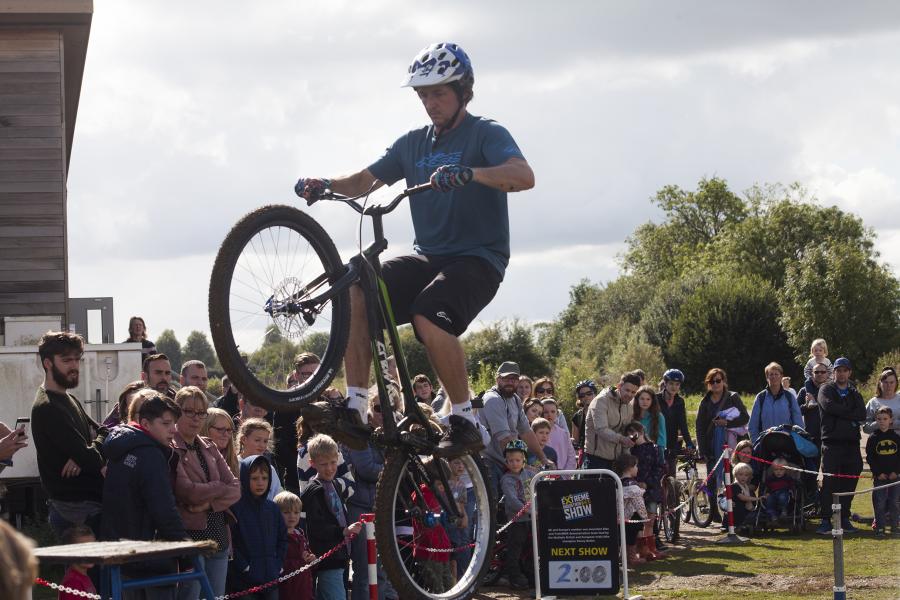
x,y
669,520
692,496
278,277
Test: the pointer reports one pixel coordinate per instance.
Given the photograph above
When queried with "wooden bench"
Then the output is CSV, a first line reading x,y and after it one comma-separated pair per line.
x,y
110,556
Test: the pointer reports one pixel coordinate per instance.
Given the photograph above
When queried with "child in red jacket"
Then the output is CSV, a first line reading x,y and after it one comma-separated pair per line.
x,y
76,577
298,554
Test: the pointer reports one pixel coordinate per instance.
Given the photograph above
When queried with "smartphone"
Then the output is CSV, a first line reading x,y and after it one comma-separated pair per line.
x,y
21,427
22,424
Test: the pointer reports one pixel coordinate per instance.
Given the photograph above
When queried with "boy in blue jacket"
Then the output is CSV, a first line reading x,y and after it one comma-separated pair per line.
x,y
259,538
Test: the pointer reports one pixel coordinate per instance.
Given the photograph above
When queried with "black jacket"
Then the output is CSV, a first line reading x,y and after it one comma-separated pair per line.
x,y
138,503
323,530
707,412
676,421
841,417
808,399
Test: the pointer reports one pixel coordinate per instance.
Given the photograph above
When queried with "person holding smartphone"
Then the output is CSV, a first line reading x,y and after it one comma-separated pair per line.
x,y
11,441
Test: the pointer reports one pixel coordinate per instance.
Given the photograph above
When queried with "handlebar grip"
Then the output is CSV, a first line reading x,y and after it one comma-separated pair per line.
x,y
418,189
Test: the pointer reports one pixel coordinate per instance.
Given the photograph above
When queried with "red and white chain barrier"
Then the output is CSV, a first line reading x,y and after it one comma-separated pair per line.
x,y
799,470
252,590
700,488
61,588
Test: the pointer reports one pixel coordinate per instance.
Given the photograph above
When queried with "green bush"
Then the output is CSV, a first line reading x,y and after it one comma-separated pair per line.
x,y
732,324
635,352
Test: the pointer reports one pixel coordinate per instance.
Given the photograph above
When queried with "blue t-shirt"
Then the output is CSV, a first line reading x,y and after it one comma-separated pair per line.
x,y
469,221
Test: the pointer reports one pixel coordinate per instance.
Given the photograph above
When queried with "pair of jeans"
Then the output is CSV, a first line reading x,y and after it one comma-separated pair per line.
x,y
844,459
592,461
64,515
216,567
886,502
777,502
330,585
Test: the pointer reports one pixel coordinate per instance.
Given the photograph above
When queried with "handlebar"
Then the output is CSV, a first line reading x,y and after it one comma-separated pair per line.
x,y
375,209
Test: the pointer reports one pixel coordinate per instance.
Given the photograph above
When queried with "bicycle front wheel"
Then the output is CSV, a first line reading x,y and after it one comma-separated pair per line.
x,y
684,499
406,536
270,298
701,508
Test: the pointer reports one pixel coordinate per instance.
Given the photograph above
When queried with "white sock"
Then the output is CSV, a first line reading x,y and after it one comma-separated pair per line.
x,y
358,398
463,409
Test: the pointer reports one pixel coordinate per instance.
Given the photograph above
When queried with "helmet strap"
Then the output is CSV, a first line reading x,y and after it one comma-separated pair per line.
x,y
438,133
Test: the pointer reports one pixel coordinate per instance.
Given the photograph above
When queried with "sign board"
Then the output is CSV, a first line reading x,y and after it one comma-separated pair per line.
x,y
578,536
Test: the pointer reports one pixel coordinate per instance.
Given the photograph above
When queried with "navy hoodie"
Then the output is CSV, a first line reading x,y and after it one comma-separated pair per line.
x,y
259,537
138,503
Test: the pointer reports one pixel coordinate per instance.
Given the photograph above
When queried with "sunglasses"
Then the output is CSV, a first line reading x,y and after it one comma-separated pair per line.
x,y
715,380
820,372
222,429
585,394
544,390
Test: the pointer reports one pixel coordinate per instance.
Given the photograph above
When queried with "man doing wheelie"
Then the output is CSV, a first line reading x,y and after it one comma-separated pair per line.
x,y
461,239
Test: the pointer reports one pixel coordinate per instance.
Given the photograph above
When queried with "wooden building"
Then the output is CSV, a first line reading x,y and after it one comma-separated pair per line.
x,y
43,44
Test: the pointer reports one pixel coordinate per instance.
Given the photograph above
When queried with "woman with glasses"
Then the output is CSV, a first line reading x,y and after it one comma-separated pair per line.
x,y
711,425
205,487
885,395
545,388
219,428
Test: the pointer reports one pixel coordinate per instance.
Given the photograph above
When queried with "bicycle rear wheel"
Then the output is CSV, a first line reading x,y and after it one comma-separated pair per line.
x,y
266,304
402,529
671,519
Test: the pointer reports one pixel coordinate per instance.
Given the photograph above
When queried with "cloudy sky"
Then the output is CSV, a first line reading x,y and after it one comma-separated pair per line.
x,y
194,113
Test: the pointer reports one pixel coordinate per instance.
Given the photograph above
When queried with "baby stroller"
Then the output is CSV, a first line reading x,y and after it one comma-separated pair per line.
x,y
789,443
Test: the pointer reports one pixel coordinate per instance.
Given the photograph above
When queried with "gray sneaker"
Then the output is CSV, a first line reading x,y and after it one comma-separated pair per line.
x,y
344,424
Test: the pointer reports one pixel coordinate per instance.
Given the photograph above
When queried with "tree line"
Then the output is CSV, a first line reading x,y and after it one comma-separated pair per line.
x,y
725,279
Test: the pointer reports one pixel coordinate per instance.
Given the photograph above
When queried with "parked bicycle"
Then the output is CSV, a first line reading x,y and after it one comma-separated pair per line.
x,y
692,493
277,281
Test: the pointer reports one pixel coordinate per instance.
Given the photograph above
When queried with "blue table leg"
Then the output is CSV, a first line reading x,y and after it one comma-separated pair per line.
x,y
205,587
115,576
104,582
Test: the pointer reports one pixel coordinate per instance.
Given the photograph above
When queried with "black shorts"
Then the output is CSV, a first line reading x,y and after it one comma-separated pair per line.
x,y
449,291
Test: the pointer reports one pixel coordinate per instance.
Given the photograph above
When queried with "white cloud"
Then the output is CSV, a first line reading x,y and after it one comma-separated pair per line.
x,y
191,116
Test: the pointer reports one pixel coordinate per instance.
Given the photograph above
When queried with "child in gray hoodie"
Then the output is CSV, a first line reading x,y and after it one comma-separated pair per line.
x,y
514,485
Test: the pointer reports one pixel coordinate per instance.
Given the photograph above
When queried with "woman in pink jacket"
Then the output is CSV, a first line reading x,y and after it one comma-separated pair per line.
x,y
205,488
559,439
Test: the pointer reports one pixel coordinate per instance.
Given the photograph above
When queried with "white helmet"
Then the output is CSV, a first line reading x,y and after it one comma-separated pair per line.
x,y
444,62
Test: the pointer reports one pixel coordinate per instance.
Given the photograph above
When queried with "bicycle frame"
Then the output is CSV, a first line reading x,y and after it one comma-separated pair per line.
x,y
365,269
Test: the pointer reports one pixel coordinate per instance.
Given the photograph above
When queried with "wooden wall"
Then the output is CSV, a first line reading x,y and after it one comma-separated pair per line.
x,y
32,174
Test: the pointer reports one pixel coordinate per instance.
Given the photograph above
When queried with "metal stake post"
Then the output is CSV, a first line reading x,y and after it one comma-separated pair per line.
x,y
840,590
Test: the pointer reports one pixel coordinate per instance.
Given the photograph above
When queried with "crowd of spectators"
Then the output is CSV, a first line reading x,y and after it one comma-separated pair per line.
x,y
272,494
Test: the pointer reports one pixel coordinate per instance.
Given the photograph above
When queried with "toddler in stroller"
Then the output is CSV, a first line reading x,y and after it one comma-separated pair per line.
x,y
780,490
784,496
